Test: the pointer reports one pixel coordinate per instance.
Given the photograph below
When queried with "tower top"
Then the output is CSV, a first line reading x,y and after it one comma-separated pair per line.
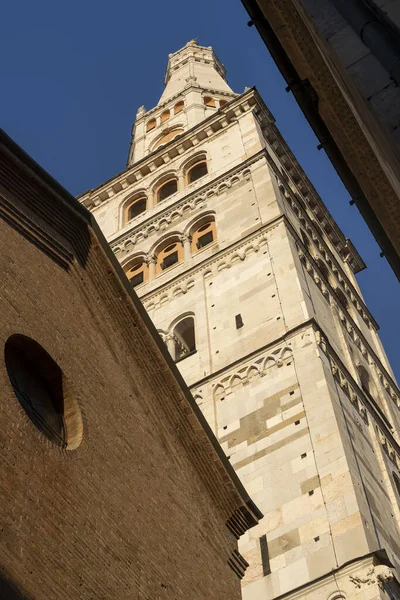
x,y
194,65
195,88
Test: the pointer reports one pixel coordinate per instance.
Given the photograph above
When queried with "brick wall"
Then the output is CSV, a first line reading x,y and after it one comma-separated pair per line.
x,y
126,515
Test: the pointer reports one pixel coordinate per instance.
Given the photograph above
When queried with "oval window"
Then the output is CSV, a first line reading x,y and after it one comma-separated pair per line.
x,y
39,386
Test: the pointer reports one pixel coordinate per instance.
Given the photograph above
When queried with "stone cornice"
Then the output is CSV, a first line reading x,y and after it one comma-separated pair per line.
x,y
195,199
178,146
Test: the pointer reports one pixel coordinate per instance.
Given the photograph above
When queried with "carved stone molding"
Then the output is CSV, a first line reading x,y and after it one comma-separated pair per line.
x,y
182,207
378,575
254,369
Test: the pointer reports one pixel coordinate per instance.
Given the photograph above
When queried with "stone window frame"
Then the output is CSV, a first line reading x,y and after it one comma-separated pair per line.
x,y
192,231
136,265
209,102
179,107
167,136
165,115
167,178
171,337
151,124
163,250
138,196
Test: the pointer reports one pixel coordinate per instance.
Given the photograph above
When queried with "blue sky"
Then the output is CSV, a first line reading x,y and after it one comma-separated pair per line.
x,y
73,75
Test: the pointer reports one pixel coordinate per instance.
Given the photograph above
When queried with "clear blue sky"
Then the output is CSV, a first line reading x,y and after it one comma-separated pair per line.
x,y
74,73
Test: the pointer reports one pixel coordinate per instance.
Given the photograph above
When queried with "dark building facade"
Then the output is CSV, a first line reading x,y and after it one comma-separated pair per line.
x,y
112,484
341,60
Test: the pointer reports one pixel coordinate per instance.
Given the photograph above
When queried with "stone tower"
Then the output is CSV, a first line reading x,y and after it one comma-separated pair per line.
x,y
252,286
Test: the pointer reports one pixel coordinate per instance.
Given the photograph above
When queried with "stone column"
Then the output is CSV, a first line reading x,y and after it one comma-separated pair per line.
x,y
170,341
150,200
151,263
187,250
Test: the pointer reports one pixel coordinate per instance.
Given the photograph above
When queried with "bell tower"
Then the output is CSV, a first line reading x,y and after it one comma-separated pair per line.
x,y
195,84
252,286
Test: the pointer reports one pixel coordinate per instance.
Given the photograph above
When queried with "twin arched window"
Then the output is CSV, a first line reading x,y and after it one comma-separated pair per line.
x,y
137,272
211,102
169,255
204,235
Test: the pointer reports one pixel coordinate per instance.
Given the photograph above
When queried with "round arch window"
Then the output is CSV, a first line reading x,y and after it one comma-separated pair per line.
x,y
43,392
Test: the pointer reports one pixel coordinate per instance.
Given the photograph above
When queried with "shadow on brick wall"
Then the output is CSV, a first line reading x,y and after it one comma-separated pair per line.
x,y
10,591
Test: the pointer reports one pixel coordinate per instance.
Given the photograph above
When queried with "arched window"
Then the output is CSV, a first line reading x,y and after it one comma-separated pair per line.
x,y
43,391
396,483
223,102
167,137
165,116
208,101
166,189
196,171
137,272
170,254
306,239
342,298
151,124
135,208
179,106
184,339
204,235
323,268
364,379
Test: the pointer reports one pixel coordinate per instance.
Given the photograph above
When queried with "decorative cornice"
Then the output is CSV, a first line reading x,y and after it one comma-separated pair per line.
x,y
258,365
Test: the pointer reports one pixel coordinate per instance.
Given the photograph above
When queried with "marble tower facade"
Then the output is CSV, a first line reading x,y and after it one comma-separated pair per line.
x,y
251,284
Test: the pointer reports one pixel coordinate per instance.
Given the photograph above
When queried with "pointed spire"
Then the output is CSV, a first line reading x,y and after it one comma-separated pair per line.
x,y
196,66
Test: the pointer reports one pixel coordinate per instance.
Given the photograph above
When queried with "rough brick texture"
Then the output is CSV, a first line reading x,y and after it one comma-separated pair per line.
x,y
127,514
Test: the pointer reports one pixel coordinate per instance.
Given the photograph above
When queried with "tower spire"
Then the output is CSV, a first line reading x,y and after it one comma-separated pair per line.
x,y
195,87
194,65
